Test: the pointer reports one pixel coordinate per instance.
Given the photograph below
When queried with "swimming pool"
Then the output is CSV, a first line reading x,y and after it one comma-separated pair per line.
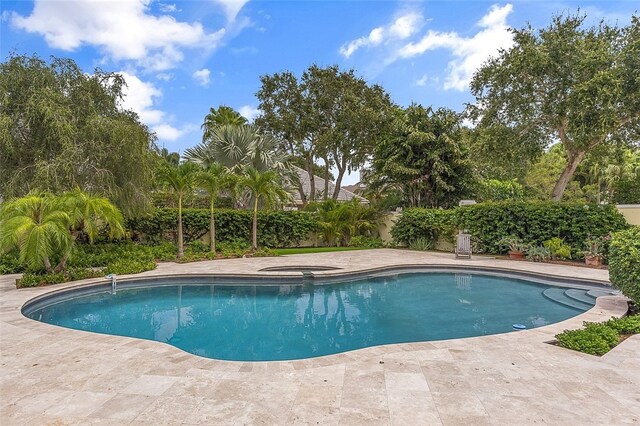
x,y
282,321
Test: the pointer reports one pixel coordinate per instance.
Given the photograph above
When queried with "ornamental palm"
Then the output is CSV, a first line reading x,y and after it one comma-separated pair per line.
x,y
224,115
181,180
266,187
37,226
212,180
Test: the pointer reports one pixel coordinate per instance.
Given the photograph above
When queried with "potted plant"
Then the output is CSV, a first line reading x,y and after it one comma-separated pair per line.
x,y
595,250
517,247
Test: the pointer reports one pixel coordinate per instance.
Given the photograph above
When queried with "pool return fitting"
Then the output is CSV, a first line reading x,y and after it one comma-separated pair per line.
x,y
112,277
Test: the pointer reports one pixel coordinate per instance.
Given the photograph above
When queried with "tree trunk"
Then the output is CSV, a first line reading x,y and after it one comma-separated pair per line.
x,y
255,226
212,229
573,160
180,239
63,262
47,264
342,168
312,179
326,179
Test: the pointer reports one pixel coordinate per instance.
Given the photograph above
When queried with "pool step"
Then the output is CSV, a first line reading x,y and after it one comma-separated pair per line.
x,y
597,293
580,296
557,294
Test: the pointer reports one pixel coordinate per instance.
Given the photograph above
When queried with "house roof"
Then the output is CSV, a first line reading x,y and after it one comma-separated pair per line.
x,y
343,195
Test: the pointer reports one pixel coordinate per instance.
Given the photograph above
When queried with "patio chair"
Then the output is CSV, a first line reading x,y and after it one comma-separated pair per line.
x,y
463,246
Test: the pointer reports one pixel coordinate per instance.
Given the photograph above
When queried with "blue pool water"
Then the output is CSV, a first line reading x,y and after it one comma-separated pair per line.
x,y
283,322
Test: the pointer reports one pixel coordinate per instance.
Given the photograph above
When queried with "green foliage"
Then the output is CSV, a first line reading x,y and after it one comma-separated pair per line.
x,y
275,228
366,242
130,266
62,128
624,262
10,263
421,243
558,248
423,223
538,254
339,222
499,190
627,191
594,339
31,279
514,244
197,246
625,325
425,157
535,222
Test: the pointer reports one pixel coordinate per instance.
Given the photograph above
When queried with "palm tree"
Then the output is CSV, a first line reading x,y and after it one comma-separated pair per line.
x,y
212,180
237,147
44,227
181,180
266,187
224,115
339,222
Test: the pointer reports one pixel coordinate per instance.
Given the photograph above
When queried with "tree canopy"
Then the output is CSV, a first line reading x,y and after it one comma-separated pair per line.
x,y
567,83
61,128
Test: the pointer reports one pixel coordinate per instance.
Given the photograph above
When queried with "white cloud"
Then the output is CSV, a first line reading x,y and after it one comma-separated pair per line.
x,y
249,112
164,76
140,97
231,7
123,30
422,81
168,8
202,77
401,28
469,53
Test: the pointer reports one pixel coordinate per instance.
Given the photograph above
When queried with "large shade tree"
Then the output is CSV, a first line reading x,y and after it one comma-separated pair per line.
x,y
569,83
424,157
61,128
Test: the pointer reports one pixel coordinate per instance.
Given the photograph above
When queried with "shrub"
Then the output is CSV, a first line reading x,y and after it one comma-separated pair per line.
x,y
130,266
514,244
275,228
198,246
10,264
594,339
536,222
538,254
427,224
624,263
625,325
558,248
31,279
364,241
422,244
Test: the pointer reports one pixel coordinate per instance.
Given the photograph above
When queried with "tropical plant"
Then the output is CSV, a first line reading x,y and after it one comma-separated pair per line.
x,y
558,248
181,180
44,227
212,180
538,253
514,244
237,147
339,222
565,82
421,244
265,187
216,118
595,246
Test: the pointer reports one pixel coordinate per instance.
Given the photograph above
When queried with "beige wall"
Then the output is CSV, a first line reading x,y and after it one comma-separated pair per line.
x,y
385,225
631,212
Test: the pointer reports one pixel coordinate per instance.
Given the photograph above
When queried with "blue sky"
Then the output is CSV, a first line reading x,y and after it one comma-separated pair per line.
x,y
181,57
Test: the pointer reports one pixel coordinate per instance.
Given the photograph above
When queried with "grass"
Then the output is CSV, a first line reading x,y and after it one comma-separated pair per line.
x,y
304,250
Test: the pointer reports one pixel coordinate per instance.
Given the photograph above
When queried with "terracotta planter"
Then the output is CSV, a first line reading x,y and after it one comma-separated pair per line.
x,y
516,255
593,260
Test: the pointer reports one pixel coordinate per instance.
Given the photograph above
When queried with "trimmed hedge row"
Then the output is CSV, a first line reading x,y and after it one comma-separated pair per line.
x,y
275,228
533,222
624,262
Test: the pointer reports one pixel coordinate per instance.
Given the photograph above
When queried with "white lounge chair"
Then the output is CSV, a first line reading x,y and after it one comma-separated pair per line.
x,y
463,246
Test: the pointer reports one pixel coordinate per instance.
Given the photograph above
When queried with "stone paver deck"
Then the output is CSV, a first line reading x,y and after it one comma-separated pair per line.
x,y
53,375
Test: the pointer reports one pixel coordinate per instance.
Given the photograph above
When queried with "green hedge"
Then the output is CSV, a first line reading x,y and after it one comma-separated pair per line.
x,y
275,228
624,262
536,222
533,222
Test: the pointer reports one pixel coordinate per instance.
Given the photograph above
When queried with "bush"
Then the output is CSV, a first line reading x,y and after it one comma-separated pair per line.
x,y
558,248
367,242
594,339
275,228
10,264
538,254
31,279
130,266
426,224
624,263
625,325
421,244
536,222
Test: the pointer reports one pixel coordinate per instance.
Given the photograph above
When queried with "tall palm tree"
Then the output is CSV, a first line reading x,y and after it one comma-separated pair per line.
x,y
266,187
181,180
224,115
237,147
212,180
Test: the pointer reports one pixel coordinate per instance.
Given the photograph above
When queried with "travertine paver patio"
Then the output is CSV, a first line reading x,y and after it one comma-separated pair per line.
x,y
52,375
